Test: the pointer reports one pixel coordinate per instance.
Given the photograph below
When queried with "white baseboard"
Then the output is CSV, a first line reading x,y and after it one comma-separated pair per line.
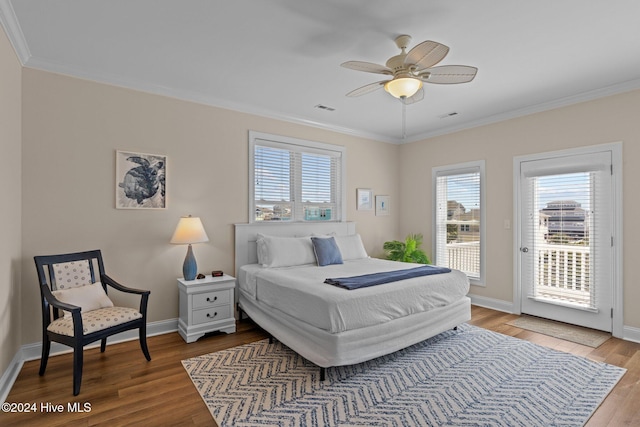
x,y
9,376
34,351
494,304
630,333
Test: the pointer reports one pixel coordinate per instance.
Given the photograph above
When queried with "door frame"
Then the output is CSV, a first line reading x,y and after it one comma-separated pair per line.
x,y
616,226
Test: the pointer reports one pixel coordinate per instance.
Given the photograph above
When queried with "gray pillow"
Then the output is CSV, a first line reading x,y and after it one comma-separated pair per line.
x,y
326,250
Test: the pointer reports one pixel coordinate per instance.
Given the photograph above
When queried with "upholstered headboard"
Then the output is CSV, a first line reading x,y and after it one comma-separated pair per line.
x,y
246,251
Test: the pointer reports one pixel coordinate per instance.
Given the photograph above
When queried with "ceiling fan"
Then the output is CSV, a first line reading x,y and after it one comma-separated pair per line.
x,y
411,69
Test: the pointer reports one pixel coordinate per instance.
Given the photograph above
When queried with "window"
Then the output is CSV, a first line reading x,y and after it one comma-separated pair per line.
x,y
295,180
459,216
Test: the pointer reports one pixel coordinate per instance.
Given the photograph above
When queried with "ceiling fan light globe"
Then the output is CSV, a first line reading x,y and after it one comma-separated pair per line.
x,y
403,87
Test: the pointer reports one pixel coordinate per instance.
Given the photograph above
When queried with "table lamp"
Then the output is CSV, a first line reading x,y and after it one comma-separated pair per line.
x,y
188,231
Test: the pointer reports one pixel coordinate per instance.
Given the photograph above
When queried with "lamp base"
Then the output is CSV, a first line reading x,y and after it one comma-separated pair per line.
x,y
189,268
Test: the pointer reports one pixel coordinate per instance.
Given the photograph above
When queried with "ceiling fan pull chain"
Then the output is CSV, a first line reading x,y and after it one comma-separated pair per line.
x,y
404,119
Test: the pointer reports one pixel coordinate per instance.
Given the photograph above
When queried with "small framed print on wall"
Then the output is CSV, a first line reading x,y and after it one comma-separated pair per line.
x,y
140,180
382,205
364,198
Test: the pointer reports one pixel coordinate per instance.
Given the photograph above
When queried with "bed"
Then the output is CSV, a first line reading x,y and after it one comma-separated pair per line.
x,y
329,325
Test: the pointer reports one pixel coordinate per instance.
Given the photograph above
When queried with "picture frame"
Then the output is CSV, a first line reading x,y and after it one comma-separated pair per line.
x,y
382,206
364,199
140,180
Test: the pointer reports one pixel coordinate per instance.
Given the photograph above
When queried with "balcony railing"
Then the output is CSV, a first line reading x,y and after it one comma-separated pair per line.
x,y
465,257
561,272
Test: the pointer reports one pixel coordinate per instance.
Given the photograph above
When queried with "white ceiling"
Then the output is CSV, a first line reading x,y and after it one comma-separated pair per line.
x,y
281,58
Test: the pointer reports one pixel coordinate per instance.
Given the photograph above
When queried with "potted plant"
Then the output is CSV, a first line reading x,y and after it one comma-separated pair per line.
x,y
407,251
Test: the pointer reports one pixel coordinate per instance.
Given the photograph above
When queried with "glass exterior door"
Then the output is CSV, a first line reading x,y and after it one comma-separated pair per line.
x,y
566,239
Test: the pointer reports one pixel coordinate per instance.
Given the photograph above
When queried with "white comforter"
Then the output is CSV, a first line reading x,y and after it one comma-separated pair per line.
x,y
300,292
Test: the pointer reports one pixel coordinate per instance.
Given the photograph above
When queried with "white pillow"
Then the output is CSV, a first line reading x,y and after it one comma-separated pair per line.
x,y
351,247
262,251
88,297
284,251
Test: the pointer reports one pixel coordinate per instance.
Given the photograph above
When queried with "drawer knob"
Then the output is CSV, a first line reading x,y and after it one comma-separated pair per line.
x,y
214,314
212,300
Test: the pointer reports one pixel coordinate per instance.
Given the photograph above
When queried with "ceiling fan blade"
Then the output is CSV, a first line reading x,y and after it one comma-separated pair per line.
x,y
418,96
426,54
367,88
448,74
369,67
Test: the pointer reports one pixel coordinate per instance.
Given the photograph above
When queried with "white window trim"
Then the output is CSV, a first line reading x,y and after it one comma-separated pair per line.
x,y
456,169
313,145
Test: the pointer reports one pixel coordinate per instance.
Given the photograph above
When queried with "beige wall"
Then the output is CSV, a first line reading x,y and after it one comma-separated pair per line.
x,y
605,120
72,128
10,208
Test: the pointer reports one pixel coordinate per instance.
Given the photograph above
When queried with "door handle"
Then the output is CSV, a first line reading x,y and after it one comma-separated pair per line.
x,y
525,249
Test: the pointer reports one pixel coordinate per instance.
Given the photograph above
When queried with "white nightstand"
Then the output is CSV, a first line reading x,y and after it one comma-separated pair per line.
x,y
206,305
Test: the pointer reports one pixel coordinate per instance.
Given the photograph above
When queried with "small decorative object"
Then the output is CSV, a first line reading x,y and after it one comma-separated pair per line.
x,y
189,230
382,205
140,180
407,251
200,276
364,198
217,273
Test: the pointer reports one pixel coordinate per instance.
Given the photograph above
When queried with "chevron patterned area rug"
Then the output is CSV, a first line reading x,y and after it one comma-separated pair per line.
x,y
471,376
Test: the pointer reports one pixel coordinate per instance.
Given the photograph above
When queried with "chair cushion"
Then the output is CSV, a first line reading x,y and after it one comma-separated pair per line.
x,y
72,274
87,297
95,320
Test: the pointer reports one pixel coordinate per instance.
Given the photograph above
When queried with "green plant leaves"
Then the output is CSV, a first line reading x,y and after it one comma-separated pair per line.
x,y
407,251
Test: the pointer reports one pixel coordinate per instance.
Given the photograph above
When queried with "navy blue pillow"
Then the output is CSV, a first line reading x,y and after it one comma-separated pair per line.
x,y
326,250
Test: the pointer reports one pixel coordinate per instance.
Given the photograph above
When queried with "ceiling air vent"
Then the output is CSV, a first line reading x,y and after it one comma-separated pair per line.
x,y
324,107
451,114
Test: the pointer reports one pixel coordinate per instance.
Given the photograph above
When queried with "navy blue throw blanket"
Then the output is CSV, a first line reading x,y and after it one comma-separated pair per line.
x,y
373,279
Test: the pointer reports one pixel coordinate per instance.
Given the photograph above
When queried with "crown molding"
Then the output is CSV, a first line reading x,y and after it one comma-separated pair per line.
x,y
197,97
616,89
191,96
9,22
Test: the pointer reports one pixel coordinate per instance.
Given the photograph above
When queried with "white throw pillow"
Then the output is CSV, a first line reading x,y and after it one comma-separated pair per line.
x,y
285,251
351,247
88,297
262,250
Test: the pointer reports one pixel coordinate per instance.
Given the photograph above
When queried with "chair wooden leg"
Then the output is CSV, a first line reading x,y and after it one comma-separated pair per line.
x,y
77,368
143,343
103,345
46,348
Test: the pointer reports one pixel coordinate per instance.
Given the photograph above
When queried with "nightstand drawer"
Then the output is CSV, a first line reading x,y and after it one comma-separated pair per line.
x,y
211,314
211,299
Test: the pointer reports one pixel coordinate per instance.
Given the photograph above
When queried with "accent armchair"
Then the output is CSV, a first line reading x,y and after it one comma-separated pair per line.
x,y
76,310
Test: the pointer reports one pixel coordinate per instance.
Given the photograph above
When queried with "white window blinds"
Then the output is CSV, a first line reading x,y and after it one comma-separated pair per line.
x,y
459,218
299,181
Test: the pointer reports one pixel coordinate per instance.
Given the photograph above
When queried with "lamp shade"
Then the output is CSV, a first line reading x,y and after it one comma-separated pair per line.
x,y
403,87
189,230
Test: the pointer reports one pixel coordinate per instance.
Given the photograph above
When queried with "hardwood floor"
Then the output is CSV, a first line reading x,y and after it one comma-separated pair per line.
x,y
122,388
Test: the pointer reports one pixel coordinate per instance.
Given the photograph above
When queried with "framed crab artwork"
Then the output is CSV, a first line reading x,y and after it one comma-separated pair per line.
x,y
140,180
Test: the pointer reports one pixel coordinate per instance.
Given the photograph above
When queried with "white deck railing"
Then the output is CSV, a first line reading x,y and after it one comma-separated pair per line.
x,y
464,256
561,271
